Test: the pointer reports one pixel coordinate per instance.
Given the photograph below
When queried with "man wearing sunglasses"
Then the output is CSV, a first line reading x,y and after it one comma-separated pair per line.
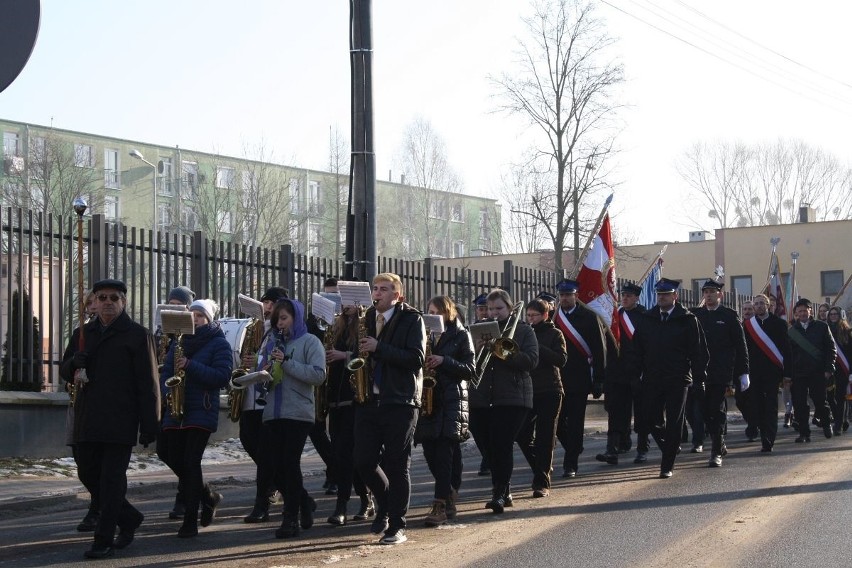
x,y
119,400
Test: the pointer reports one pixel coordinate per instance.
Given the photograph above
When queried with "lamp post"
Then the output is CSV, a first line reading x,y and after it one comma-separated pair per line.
x,y
156,239
576,199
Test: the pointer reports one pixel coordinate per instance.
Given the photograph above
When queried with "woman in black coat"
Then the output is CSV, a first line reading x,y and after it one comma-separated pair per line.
x,y
442,429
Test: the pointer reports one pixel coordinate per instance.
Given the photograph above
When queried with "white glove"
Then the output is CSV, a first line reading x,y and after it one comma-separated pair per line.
x,y
744,382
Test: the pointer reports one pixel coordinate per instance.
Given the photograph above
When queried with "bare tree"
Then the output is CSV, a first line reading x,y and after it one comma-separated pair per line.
x,y
522,189
338,165
564,87
739,185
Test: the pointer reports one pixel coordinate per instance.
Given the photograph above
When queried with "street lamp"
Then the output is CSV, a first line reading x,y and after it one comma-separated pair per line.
x,y
156,239
576,199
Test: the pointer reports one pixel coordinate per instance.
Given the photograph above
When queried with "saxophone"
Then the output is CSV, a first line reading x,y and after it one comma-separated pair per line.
x,y
236,392
162,350
177,385
429,381
321,391
360,377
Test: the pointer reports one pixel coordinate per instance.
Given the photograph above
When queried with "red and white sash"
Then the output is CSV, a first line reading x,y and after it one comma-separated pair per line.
x,y
627,325
755,331
573,335
842,361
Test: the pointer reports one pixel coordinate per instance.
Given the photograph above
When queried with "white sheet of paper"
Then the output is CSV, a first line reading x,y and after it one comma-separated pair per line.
x,y
158,318
355,293
322,308
435,324
485,331
250,307
178,322
334,297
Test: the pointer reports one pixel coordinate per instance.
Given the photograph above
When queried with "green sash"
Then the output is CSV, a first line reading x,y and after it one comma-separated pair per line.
x,y
799,338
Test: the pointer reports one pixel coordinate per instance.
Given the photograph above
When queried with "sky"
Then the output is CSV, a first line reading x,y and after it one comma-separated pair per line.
x,y
219,76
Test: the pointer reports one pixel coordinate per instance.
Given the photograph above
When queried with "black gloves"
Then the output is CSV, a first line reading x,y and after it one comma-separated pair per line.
x,y
146,439
597,390
79,360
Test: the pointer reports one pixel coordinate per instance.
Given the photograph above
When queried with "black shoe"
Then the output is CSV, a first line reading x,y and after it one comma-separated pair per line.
x,y
609,456
665,474
845,426
178,510
289,528
380,524
208,508
766,449
187,530
697,449
126,535
715,461
803,439
827,430
787,420
724,451
331,489
569,473
393,536
497,504
99,551
751,433
508,500
257,515
89,522
483,468
367,509
338,517
306,511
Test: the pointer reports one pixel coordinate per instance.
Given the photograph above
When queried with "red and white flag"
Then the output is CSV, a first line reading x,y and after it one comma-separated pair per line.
x,y
597,278
775,287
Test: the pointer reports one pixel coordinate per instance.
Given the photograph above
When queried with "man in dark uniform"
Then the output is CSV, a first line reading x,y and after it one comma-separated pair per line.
x,y
384,426
728,361
582,374
669,354
813,367
770,362
478,402
617,388
118,401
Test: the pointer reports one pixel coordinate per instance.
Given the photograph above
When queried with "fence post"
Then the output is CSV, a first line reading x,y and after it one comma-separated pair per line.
x,y
287,275
198,270
98,246
509,279
428,278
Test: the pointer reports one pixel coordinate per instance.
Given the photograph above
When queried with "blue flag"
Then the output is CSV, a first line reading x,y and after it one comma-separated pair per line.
x,y
648,298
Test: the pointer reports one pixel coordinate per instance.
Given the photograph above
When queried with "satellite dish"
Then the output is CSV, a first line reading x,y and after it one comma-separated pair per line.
x,y
19,22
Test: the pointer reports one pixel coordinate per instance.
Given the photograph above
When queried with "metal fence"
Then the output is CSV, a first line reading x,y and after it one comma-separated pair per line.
x,y
40,269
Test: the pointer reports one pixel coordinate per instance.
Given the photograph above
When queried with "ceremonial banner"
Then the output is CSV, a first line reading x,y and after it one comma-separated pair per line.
x,y
597,278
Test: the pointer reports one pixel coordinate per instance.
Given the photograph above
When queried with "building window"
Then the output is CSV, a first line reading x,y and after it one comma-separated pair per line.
x,y
249,188
457,212
225,177
741,285
189,217
164,216
294,196
165,183
84,156
111,208
831,281
314,238
458,249
438,209
111,169
223,221
11,144
189,180
314,198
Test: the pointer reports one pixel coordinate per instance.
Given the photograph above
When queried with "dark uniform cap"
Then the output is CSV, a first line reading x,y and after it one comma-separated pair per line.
x,y
631,288
110,284
713,285
481,300
567,286
666,286
547,297
274,294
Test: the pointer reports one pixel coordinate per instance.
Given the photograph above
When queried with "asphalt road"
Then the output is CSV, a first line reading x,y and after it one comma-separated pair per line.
x,y
788,508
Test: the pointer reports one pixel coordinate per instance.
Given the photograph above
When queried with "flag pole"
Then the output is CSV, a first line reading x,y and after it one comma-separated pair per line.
x,y
795,257
772,261
579,260
652,265
840,294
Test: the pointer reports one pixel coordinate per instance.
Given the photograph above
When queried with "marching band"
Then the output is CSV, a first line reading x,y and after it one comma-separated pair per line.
x,y
383,382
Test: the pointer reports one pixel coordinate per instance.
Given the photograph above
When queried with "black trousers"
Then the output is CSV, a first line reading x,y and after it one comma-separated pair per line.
x,y
287,442
747,404
103,468
341,422
444,458
383,439
572,421
619,408
715,414
504,424
813,386
479,426
255,440
663,406
841,385
764,405
185,449
640,423
537,437
94,501
694,413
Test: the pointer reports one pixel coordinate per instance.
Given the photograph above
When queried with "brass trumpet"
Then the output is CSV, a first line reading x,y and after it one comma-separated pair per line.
x,y
176,385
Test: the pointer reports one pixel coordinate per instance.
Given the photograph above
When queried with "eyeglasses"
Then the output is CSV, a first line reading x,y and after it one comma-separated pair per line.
x,y
110,297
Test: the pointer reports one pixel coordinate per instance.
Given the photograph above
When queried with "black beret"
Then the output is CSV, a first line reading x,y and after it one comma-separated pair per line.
x,y
110,284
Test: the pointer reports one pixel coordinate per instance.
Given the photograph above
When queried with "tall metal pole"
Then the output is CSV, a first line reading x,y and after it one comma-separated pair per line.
x,y
80,377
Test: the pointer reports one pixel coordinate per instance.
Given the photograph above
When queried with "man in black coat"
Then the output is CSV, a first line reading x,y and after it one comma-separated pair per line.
x,y
583,373
770,362
617,388
114,371
670,354
384,427
728,362
813,367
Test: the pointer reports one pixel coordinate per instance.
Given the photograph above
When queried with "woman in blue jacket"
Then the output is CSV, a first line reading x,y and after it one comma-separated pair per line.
x,y
207,362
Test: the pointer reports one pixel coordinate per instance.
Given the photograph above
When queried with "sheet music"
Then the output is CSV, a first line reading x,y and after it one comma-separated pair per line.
x,y
158,319
334,297
485,331
355,293
250,307
435,324
322,308
178,322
